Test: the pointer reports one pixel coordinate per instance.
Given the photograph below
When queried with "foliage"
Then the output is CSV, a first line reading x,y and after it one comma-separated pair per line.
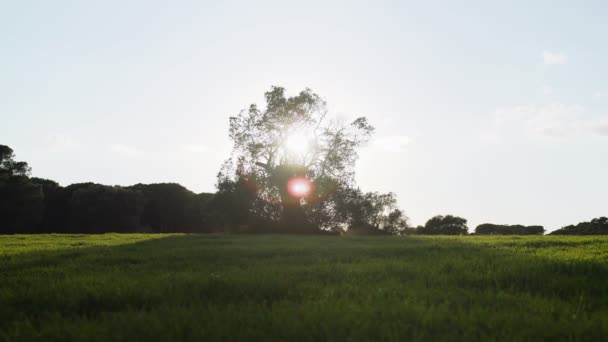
x,y
445,225
505,229
94,208
21,205
597,226
172,208
103,208
369,212
231,209
37,205
21,201
263,153
237,287
9,167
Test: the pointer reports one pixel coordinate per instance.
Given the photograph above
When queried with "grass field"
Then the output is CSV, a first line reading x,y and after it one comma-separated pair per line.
x,y
222,287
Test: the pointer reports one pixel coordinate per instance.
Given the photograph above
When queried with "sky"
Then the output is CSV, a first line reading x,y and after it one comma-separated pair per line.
x,y
496,111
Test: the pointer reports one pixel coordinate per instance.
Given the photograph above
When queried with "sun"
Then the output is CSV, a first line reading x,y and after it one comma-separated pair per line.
x,y
297,143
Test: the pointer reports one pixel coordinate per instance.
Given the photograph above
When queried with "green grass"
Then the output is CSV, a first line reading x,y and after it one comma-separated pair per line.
x,y
222,287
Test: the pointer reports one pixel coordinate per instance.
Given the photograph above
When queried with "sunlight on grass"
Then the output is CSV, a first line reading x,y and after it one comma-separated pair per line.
x,y
17,244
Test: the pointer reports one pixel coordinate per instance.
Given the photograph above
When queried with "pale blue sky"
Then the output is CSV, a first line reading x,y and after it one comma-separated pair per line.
x,y
494,111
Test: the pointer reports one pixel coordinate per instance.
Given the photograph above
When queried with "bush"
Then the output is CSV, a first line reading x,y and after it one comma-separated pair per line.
x,y
504,229
444,225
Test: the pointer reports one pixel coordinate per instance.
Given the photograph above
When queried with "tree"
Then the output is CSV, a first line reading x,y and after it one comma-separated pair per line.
x,y
369,213
10,167
231,208
21,201
100,209
171,208
504,229
54,218
597,226
293,140
445,225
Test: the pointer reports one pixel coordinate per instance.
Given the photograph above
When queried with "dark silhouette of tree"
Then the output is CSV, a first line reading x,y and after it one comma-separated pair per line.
x,y
232,208
9,167
100,209
444,225
21,201
597,226
293,137
368,213
171,208
503,229
96,208
21,205
55,217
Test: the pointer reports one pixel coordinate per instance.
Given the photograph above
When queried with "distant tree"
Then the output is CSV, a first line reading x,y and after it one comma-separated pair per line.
x,y
597,226
171,208
368,213
54,219
95,208
231,209
57,217
9,167
445,225
293,137
498,229
21,205
21,201
100,209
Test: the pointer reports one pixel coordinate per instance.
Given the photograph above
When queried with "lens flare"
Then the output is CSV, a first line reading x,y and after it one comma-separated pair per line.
x,y
299,187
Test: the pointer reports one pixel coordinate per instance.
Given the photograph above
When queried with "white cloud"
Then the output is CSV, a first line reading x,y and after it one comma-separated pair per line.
x,y
554,122
126,150
392,143
554,58
547,90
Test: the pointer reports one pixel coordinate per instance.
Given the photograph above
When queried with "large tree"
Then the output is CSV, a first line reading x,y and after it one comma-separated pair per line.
x,y
21,201
294,156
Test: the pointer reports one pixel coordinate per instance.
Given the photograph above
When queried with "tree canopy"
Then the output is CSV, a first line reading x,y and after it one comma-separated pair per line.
x,y
505,229
445,225
294,138
597,226
8,165
21,201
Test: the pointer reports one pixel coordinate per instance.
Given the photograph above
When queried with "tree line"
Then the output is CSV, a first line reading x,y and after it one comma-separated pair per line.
x,y
597,226
36,205
291,170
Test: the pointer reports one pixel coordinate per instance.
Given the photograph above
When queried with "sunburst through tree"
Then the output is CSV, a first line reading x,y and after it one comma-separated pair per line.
x,y
295,157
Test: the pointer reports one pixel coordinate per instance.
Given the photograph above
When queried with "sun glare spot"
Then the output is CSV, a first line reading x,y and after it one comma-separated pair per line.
x,y
297,143
299,187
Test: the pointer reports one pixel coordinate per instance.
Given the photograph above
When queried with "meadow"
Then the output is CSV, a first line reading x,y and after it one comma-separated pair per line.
x,y
240,287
